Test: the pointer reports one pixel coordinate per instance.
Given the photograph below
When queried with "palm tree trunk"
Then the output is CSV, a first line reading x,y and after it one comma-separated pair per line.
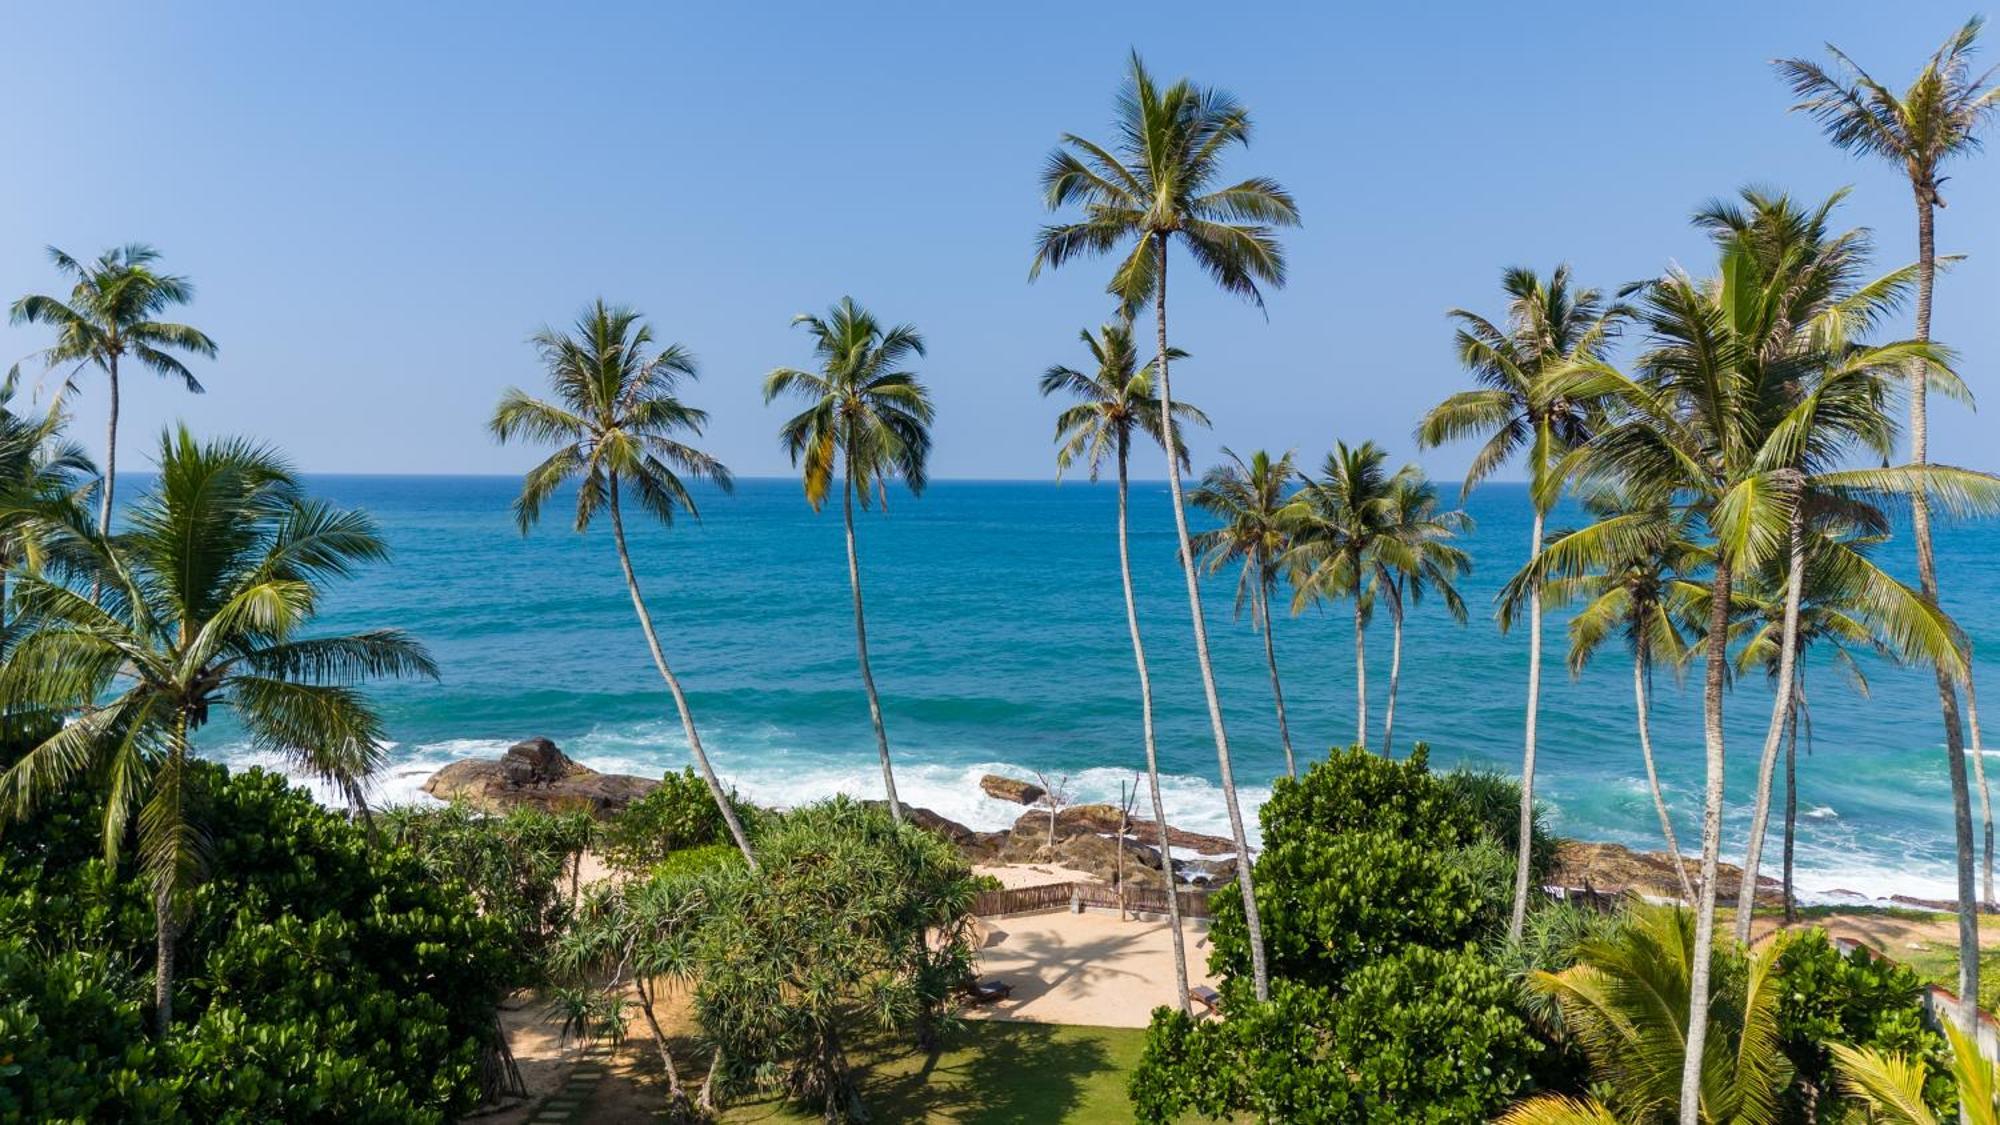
x,y
1395,668
1253,922
1639,677
163,959
1714,681
1263,609
861,647
715,790
1360,670
676,1094
1781,709
1525,843
1954,735
1792,800
110,453
1146,726
1979,779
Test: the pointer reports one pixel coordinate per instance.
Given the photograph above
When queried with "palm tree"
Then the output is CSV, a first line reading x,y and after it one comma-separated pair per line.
x,y
1625,1004
617,419
1249,498
1891,1085
869,419
1736,409
205,600
1162,186
1937,117
1109,405
40,468
1519,409
108,316
1845,602
1630,570
1336,521
1415,555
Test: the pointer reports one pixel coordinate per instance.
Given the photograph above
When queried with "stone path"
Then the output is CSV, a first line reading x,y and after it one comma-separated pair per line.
x,y
573,1097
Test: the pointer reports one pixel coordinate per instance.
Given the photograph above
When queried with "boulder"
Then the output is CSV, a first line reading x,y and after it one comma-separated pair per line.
x,y
1103,819
1615,869
1011,789
536,774
979,847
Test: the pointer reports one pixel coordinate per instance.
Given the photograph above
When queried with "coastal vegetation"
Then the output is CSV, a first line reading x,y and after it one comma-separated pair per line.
x,y
178,942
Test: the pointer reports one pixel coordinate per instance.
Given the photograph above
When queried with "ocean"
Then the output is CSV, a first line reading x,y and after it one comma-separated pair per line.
x,y
999,644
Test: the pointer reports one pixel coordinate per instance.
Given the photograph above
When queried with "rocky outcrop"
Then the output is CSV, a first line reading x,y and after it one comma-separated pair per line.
x,y
1011,789
1615,869
536,774
1104,819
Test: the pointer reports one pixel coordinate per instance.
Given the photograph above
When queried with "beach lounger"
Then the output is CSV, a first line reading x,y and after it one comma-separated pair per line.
x,y
989,991
1209,999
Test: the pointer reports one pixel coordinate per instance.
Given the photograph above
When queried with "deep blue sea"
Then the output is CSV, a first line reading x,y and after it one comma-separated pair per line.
x,y
999,643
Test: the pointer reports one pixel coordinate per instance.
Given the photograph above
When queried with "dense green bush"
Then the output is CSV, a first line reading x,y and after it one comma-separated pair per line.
x,y
1362,856
679,814
1859,999
1420,1036
325,978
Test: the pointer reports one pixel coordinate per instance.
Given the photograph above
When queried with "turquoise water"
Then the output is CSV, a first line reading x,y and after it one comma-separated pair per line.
x,y
999,643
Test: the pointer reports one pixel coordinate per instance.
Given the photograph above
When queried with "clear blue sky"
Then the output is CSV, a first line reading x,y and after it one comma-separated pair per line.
x,y
380,202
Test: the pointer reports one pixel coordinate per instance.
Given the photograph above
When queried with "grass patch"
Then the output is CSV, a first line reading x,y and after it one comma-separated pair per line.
x,y
991,1072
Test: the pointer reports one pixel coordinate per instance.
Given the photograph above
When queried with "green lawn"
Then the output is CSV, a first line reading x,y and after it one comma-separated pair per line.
x,y
992,1073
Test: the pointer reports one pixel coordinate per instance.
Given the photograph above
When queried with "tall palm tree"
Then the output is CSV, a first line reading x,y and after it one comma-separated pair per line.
x,y
205,602
1519,410
1735,410
109,315
617,419
1336,521
1249,498
868,419
1109,404
1630,570
1414,556
1846,603
1937,117
1159,184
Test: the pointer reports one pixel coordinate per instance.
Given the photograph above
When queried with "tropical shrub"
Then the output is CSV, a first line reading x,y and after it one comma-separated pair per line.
x,y
1624,1004
1363,855
522,868
1858,999
850,922
327,978
1896,1088
1420,1036
679,814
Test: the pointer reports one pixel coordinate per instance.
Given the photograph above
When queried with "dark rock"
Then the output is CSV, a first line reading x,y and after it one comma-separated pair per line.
x,y
979,847
536,774
1011,789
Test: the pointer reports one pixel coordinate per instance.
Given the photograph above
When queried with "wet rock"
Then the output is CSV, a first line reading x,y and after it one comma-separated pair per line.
x,y
536,774
1010,789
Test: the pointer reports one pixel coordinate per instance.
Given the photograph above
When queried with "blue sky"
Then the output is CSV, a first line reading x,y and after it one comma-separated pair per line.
x,y
379,203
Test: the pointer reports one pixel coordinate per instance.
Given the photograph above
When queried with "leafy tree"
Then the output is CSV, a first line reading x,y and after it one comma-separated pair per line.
x,y
1415,556
1157,185
869,419
521,867
853,921
1939,116
1422,1035
1249,497
618,419
1520,408
675,817
1855,999
335,979
1110,403
205,601
110,314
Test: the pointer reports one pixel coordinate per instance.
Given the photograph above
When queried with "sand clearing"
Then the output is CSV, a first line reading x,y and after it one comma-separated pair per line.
x,y
1014,876
1087,968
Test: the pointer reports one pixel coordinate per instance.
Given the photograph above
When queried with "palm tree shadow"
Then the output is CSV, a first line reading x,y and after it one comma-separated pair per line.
x,y
1013,1074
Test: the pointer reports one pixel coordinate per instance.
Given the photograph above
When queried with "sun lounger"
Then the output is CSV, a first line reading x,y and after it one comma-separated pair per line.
x,y
989,991
1209,999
